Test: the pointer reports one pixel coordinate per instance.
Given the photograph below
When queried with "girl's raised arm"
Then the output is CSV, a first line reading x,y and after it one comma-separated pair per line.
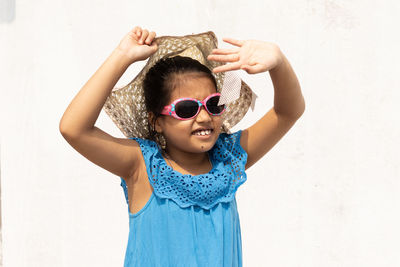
x,y
117,155
256,57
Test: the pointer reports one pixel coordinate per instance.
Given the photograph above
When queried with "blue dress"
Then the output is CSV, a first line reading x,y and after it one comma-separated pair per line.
x,y
189,221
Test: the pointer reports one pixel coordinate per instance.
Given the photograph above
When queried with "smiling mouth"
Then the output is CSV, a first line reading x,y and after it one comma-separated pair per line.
x,y
203,132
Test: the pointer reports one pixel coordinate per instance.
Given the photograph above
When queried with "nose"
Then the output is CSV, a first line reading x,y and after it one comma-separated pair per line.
x,y
203,115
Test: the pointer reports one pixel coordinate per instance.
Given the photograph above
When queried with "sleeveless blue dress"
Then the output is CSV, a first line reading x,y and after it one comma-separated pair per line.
x,y
189,221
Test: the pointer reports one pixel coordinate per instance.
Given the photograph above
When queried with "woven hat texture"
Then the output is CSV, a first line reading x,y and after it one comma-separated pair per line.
x,y
126,106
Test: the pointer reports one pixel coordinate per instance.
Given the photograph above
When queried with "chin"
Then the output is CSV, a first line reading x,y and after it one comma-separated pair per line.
x,y
205,146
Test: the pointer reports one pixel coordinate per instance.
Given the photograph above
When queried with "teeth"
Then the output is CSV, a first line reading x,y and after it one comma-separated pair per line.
x,y
203,132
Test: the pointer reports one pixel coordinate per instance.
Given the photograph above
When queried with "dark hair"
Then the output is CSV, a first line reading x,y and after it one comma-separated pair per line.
x,y
160,80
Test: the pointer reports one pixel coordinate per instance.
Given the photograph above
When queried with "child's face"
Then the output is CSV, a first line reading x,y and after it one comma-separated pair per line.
x,y
181,134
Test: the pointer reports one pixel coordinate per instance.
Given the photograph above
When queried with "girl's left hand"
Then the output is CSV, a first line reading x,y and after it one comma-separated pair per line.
x,y
251,55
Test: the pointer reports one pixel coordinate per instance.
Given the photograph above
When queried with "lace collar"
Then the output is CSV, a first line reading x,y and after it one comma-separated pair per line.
x,y
205,190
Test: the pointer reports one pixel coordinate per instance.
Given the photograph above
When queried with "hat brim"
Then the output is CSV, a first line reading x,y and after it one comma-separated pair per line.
x,y
126,105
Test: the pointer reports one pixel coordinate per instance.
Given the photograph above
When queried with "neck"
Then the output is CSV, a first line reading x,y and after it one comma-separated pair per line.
x,y
193,163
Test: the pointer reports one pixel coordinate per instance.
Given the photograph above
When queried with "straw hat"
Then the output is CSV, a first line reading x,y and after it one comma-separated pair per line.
x,y
126,105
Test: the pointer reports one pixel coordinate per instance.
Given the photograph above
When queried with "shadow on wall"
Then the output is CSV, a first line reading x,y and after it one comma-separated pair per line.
x,y
7,11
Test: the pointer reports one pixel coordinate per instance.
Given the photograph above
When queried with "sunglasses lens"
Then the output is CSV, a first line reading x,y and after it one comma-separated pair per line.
x,y
186,108
212,105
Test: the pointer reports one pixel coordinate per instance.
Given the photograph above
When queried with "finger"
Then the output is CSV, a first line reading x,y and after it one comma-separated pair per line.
x,y
154,47
133,32
150,38
233,41
227,67
137,30
219,51
224,58
253,69
145,33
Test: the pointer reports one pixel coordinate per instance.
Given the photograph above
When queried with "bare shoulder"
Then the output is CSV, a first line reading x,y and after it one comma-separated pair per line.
x,y
123,157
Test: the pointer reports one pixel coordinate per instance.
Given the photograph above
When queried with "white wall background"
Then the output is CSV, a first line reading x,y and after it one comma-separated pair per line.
x,y
328,194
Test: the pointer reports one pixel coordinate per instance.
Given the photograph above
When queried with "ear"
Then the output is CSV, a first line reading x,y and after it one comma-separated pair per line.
x,y
155,122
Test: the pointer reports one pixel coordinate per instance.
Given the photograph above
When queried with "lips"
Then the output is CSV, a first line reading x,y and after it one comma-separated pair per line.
x,y
202,132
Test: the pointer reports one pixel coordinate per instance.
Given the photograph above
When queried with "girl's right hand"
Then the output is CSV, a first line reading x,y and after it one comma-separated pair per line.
x,y
138,44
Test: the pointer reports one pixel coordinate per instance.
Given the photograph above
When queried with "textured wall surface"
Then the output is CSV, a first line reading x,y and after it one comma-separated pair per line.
x,y
328,194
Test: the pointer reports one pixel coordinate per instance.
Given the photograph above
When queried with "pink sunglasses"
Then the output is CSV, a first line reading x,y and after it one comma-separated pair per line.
x,y
188,108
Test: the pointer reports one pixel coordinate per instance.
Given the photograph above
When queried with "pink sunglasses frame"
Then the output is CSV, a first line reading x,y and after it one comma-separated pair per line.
x,y
170,109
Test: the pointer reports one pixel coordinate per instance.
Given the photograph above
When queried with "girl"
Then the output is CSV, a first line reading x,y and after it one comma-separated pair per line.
x,y
181,197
